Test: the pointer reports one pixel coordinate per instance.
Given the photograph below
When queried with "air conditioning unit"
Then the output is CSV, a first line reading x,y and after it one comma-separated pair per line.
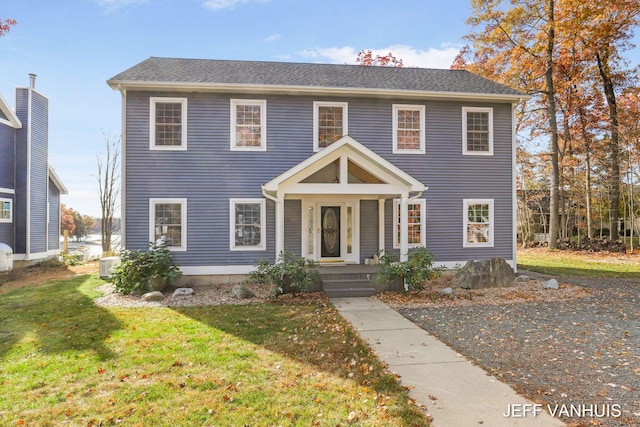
x,y
6,258
106,266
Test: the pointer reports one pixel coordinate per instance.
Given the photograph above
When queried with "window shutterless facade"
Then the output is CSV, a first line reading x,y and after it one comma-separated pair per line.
x,y
168,123
168,222
248,125
477,131
247,227
478,223
408,129
6,210
416,219
329,123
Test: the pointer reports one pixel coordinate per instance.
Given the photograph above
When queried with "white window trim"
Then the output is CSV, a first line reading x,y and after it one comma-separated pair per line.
x,y
465,221
411,107
152,124
423,223
345,119
10,219
263,124
232,225
466,110
183,214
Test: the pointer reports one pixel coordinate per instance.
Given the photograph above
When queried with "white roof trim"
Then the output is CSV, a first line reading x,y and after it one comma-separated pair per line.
x,y
276,89
351,148
53,176
13,121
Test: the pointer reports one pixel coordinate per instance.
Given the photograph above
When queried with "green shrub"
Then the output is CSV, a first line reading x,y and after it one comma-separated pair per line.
x,y
291,274
414,272
147,271
73,259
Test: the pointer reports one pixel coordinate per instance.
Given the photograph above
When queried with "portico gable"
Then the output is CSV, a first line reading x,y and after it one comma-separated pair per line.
x,y
331,183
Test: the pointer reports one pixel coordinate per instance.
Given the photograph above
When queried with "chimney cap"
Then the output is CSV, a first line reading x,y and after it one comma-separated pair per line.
x,y
32,79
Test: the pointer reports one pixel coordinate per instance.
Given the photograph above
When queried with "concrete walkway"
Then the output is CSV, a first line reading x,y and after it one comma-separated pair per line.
x,y
454,391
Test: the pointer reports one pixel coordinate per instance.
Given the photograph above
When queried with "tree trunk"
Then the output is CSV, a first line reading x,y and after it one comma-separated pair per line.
x,y
613,146
554,220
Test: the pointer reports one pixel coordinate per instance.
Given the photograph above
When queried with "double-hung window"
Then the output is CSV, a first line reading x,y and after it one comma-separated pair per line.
x,y
168,124
477,131
248,224
408,129
329,123
416,219
6,210
168,222
248,125
478,223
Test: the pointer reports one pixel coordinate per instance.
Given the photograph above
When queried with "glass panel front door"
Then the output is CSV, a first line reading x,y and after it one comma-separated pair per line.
x,y
330,232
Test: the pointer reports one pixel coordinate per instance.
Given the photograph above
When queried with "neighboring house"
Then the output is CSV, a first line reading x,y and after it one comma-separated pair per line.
x,y
233,161
29,188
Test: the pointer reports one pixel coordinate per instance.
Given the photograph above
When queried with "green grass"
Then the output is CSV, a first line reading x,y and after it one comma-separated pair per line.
x,y
63,360
568,263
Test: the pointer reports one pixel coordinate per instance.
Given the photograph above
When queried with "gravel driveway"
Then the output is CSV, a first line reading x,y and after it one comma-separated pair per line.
x,y
584,352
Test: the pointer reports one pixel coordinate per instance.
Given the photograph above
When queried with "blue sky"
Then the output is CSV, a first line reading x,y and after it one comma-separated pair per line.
x,y
74,46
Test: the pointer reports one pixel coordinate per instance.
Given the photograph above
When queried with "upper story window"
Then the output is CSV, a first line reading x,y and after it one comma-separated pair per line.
x,y
168,124
248,125
478,222
477,131
416,218
408,129
329,123
168,222
248,219
6,211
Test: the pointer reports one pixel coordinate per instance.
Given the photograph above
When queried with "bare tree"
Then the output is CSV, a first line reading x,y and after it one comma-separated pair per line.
x,y
109,188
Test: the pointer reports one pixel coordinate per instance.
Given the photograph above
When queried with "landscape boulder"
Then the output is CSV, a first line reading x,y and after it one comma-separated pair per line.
x,y
241,292
489,273
551,284
182,292
153,296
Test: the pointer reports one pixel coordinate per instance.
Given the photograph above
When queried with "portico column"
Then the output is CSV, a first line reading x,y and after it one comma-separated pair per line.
x,y
404,227
279,224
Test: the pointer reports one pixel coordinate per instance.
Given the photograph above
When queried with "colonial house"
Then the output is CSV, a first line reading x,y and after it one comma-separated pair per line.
x,y
30,190
233,161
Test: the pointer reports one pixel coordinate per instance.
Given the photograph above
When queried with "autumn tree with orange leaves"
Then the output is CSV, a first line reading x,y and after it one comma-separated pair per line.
x,y
5,25
569,56
366,58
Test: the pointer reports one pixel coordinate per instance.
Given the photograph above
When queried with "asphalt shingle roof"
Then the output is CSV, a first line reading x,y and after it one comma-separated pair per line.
x,y
282,74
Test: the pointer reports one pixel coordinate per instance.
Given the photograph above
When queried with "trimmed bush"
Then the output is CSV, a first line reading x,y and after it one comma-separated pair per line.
x,y
151,270
291,274
414,272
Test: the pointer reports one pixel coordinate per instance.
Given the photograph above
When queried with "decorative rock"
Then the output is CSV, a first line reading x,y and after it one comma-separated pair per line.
x,y
522,278
153,296
182,292
241,292
550,284
446,291
488,273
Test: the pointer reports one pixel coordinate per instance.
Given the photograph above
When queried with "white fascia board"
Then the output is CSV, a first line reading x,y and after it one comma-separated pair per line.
x,y
315,90
13,121
56,180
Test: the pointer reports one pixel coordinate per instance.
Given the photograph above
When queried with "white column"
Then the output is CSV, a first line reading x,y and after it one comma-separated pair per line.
x,y
381,224
279,224
404,227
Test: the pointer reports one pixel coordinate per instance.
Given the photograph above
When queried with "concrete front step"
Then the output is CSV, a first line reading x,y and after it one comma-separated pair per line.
x,y
348,288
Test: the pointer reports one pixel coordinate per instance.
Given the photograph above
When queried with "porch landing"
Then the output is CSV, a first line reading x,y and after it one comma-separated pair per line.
x,y
350,280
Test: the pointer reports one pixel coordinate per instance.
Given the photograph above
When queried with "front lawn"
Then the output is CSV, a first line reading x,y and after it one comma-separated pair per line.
x,y
573,263
64,360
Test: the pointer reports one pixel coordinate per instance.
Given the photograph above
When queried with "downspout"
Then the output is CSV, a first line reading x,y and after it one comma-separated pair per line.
x,y
123,163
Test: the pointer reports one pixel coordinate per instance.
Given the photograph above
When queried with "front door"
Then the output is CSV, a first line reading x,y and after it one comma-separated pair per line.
x,y
330,233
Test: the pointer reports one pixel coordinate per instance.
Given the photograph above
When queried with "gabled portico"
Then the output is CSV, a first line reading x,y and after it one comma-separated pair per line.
x,y
330,185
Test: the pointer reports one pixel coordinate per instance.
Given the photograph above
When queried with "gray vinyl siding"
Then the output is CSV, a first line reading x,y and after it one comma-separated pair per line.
x,y
20,208
7,155
208,174
53,228
368,229
292,226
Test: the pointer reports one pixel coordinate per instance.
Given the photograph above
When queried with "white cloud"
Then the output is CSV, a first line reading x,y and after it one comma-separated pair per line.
x,y
411,57
227,4
113,5
272,38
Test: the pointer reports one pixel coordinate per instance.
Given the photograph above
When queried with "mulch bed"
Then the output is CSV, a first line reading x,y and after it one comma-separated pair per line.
x,y
582,350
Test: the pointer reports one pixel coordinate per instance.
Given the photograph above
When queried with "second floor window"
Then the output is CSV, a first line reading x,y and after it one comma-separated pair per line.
x,y
248,124
408,129
168,124
477,131
330,123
